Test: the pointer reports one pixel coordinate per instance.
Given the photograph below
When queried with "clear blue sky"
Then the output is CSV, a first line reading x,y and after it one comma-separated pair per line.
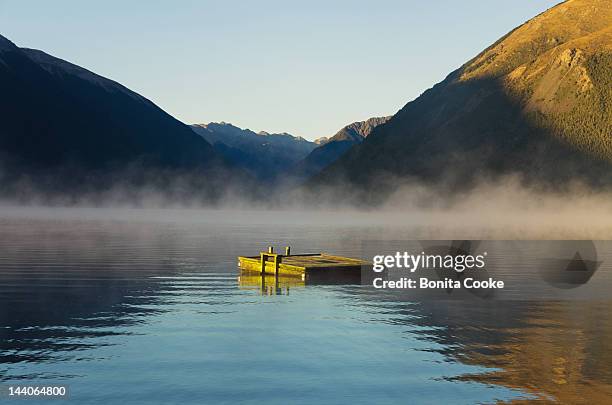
x,y
307,67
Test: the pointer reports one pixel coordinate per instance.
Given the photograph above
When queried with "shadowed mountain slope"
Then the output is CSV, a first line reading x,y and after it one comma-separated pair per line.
x,y
67,127
536,103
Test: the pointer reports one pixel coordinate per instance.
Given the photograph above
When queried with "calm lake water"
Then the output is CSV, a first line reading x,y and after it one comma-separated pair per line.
x,y
145,306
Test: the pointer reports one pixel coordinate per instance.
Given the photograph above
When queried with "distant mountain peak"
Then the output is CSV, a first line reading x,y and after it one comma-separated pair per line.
x,y
213,124
225,126
331,149
266,155
359,130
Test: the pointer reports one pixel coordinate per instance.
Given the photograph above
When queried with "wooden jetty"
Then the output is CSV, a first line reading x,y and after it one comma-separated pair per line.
x,y
319,267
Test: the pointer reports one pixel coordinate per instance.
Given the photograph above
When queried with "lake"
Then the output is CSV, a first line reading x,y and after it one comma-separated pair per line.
x,y
145,306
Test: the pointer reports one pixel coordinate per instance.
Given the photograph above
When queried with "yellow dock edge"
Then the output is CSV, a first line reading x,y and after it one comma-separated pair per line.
x,y
253,264
299,265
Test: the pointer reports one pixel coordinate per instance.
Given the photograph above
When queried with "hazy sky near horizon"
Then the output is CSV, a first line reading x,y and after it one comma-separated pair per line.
x,y
307,68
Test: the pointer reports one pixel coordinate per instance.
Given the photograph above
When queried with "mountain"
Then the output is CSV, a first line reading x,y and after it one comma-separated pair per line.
x,y
331,149
358,131
64,126
266,156
538,103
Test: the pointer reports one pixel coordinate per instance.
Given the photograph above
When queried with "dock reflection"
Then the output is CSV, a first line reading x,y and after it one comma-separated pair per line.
x,y
270,284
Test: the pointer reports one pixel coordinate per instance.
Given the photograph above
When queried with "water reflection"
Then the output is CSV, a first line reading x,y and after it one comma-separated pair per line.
x,y
554,351
163,304
560,352
61,296
269,284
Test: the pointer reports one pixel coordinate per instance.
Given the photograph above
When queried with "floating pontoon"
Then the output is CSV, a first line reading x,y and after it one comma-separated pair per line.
x,y
320,267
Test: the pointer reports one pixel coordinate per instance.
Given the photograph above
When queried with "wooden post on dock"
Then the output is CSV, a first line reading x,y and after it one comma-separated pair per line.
x,y
262,270
287,251
277,261
263,258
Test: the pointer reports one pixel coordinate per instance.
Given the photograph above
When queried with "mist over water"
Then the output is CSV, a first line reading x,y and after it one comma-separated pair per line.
x,y
501,209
